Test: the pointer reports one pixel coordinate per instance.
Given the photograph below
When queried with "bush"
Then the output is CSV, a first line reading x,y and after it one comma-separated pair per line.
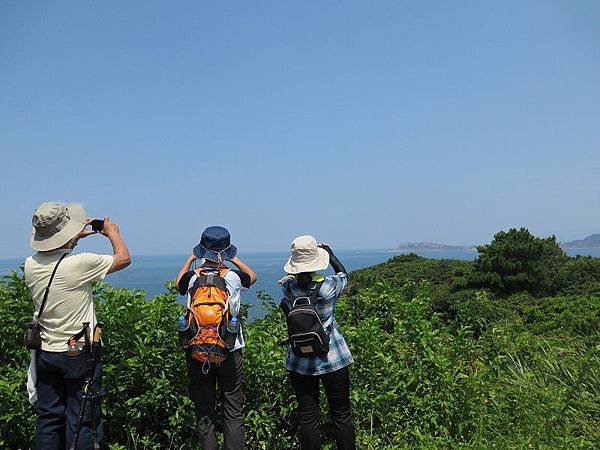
x,y
510,372
581,275
518,261
144,375
17,416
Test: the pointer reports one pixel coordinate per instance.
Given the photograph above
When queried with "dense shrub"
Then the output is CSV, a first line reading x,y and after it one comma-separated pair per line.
x,y
443,276
518,261
17,416
144,375
505,372
412,268
581,275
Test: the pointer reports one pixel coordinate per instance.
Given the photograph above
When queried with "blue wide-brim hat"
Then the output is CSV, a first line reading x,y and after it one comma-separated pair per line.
x,y
215,245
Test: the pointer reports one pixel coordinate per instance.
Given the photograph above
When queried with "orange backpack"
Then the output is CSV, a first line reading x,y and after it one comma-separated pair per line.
x,y
206,313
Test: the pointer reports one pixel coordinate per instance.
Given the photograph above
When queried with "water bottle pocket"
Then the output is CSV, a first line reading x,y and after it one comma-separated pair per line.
x,y
231,332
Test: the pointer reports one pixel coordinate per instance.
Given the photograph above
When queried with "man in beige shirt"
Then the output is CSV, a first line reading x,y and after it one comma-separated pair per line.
x,y
57,228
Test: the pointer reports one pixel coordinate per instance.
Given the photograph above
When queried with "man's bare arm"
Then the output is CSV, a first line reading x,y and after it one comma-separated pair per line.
x,y
121,257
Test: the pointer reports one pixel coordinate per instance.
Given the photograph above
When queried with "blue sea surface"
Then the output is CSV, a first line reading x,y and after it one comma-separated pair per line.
x,y
151,273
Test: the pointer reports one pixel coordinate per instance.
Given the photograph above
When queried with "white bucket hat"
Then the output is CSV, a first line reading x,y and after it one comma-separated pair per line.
x,y
55,224
306,256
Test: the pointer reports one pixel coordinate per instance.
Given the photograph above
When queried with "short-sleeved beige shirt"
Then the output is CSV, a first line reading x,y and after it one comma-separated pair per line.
x,y
70,300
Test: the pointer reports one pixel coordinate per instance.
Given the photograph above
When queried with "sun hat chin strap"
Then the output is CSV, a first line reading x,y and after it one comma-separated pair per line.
x,y
218,253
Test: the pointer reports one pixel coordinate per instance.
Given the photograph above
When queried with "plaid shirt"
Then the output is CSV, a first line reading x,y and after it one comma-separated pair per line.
x,y
339,355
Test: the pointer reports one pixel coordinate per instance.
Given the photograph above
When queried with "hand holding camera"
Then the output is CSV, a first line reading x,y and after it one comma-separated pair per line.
x,y
109,228
102,226
97,225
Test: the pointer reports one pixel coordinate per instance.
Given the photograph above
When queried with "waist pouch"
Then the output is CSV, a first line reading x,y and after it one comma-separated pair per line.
x,y
33,335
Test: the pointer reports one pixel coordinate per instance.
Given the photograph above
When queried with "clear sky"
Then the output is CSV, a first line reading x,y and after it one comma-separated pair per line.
x,y
364,123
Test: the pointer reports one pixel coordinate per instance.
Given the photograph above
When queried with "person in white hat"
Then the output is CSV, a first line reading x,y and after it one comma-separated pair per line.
x,y
332,368
57,228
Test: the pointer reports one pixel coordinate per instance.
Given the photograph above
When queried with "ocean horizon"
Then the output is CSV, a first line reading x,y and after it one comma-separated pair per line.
x,y
150,273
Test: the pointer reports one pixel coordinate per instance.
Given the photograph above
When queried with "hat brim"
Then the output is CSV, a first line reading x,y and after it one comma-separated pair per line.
x,y
72,228
320,263
201,252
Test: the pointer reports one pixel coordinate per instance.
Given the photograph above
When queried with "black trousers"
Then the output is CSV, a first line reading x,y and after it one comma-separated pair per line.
x,y
337,390
203,392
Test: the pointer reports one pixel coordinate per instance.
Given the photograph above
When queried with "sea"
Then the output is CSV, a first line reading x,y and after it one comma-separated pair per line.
x,y
151,273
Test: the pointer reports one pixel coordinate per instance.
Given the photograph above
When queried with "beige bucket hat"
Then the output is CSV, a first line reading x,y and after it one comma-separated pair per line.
x,y
55,224
306,256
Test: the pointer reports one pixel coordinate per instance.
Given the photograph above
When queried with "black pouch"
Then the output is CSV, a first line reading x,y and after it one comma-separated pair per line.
x,y
33,335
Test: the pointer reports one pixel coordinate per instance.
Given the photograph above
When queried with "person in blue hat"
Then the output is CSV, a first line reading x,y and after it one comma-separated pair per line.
x,y
210,255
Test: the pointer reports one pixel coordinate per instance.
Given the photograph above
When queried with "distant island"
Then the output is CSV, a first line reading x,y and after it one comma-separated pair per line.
x,y
432,246
592,241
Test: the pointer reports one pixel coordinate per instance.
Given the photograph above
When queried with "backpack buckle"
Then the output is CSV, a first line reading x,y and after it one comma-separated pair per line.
x,y
296,303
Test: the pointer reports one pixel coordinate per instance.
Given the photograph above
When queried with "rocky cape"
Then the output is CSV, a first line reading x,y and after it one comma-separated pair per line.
x,y
592,241
432,246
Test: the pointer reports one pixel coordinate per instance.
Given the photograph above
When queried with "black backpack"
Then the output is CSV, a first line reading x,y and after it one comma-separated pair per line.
x,y
307,336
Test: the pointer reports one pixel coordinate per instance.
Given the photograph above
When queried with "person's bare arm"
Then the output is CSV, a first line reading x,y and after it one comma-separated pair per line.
x,y
185,268
121,258
244,268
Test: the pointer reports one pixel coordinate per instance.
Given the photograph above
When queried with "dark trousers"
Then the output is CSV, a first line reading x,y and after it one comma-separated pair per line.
x,y
337,390
203,392
59,390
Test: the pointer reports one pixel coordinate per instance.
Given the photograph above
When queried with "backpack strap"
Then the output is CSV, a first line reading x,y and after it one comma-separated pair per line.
x,y
211,279
47,290
313,298
327,323
314,292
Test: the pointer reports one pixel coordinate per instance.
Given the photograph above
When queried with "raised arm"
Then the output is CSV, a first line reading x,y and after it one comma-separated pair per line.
x,y
337,266
121,257
184,269
244,268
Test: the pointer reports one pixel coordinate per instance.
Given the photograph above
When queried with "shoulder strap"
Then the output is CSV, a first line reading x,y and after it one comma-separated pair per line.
x,y
47,290
313,298
209,278
222,271
314,294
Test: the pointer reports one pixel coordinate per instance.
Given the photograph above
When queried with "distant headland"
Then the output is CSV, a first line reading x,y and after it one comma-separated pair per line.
x,y
592,241
432,246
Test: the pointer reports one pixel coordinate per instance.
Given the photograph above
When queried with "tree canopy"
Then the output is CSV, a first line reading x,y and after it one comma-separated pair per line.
x,y
518,261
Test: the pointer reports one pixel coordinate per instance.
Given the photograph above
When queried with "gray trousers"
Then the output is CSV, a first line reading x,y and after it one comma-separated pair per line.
x,y
203,392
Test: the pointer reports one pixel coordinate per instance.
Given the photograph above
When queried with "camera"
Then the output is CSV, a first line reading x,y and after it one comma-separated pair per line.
x,y
97,224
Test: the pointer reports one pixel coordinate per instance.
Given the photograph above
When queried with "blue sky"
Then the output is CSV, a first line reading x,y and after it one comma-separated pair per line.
x,y
364,123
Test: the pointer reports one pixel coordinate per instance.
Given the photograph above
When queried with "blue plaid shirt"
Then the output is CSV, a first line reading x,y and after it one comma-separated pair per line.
x,y
339,355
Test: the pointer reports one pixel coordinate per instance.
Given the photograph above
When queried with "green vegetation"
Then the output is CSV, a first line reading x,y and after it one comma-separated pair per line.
x,y
517,261
496,353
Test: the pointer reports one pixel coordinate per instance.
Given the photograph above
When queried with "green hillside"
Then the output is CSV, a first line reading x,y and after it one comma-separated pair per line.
x,y
503,352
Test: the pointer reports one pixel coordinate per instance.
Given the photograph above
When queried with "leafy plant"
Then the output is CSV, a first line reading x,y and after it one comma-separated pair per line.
x,y
518,261
438,364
